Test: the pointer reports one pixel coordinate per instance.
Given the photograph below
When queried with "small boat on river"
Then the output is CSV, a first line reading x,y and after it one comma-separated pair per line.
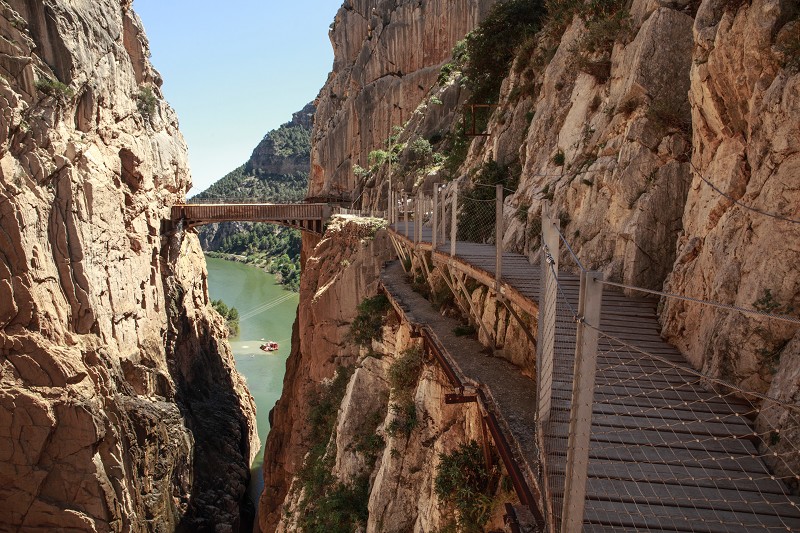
x,y
269,346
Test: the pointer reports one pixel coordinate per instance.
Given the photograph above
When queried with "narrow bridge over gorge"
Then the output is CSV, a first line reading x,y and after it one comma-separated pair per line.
x,y
309,217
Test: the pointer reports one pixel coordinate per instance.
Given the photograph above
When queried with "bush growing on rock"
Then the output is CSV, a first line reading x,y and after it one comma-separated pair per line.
x,y
367,325
403,377
54,88
146,102
462,481
490,48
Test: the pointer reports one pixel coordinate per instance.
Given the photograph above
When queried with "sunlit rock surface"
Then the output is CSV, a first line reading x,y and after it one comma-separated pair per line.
x,y
120,409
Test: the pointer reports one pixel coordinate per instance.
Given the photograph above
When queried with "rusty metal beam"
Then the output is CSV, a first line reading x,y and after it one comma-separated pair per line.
x,y
455,398
521,487
438,353
511,520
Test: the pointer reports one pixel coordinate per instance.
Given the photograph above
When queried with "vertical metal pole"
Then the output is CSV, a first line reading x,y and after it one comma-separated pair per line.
x,y
547,313
454,222
580,423
444,217
418,216
498,237
435,228
405,212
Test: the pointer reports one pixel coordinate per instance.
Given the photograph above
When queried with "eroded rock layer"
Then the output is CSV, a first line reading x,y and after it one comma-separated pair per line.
x,y
120,409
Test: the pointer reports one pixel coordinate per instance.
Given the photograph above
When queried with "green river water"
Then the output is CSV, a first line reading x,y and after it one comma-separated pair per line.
x,y
266,311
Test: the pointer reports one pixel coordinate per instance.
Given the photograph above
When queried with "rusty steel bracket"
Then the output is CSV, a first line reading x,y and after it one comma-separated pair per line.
x,y
454,398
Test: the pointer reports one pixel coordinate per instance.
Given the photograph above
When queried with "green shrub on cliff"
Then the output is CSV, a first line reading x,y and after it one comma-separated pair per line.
x,y
54,88
230,314
490,48
462,481
403,377
146,102
328,505
367,325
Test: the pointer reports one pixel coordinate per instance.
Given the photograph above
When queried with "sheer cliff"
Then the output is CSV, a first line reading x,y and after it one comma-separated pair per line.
x,y
663,132
387,55
121,409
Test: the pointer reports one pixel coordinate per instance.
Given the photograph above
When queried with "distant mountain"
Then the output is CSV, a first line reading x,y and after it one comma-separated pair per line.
x,y
278,168
277,171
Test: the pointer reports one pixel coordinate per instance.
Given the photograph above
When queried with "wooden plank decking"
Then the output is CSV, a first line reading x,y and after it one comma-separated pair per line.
x,y
666,453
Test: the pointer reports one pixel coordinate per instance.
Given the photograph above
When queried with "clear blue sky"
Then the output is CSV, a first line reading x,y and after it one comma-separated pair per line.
x,y
235,70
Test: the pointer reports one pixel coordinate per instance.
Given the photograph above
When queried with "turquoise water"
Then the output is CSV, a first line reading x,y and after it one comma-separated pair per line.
x,y
266,311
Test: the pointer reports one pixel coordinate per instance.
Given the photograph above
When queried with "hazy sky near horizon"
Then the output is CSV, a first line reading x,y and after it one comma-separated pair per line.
x,y
233,73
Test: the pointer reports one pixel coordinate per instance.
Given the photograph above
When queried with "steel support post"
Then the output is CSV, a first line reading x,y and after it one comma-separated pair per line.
x,y
547,314
580,423
453,228
435,228
498,237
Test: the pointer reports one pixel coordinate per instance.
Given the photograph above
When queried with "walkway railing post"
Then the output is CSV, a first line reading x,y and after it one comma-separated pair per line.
x,y
453,229
444,215
405,212
417,208
435,228
580,423
547,314
498,237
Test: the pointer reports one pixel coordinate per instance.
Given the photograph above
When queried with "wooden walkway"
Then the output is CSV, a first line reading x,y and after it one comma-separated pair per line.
x,y
303,216
666,453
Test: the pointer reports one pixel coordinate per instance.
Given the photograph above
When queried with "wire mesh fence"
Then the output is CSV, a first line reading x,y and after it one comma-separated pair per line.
x,y
558,333
672,448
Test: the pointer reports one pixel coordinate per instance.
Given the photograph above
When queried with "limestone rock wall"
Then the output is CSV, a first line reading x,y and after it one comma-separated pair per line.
x,y
387,56
120,408
588,141
401,469
746,122
616,138
401,496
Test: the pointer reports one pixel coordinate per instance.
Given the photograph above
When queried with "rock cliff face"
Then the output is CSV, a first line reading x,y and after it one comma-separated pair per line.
x,y
737,246
120,406
613,115
387,55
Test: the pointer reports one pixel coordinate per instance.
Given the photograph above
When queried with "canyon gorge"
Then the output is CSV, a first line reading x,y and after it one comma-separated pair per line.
x,y
664,133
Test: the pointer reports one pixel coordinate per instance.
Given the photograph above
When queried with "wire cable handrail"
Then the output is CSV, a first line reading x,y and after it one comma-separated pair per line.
x,y
741,204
